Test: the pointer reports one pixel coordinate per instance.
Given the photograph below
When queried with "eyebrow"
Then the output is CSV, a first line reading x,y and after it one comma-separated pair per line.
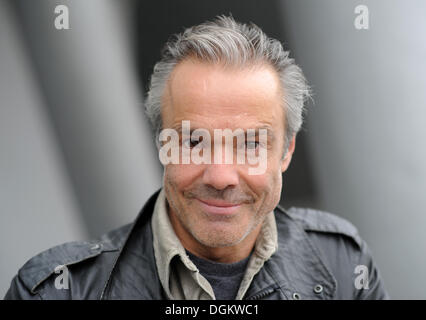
x,y
270,131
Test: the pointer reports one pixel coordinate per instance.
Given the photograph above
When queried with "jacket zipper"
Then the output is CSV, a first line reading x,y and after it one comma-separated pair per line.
x,y
262,294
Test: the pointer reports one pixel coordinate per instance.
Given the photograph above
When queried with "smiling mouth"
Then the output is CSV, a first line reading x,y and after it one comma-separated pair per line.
x,y
219,207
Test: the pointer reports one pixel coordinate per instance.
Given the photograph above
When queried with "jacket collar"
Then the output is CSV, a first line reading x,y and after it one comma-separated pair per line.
x,y
297,268
134,274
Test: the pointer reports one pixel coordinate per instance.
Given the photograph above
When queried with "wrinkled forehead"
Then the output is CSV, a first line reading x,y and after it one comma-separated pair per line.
x,y
227,97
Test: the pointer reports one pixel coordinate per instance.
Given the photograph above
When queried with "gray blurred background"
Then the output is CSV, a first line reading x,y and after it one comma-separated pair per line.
x,y
76,153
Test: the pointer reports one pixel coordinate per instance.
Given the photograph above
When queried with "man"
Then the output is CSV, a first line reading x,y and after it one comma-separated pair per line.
x,y
215,230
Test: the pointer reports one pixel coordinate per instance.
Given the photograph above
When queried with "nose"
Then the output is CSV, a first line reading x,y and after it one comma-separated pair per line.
x,y
220,176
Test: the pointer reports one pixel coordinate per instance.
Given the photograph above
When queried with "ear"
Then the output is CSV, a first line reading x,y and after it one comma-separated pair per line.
x,y
287,158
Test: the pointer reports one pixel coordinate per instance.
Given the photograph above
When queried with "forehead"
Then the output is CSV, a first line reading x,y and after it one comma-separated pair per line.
x,y
218,96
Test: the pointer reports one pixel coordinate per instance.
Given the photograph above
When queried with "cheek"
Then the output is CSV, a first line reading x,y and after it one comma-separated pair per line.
x,y
277,186
268,186
273,195
180,176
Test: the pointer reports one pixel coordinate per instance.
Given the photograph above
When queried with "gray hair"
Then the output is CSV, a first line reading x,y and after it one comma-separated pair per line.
x,y
226,41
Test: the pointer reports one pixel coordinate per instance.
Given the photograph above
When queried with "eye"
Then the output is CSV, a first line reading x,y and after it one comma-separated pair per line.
x,y
191,143
252,145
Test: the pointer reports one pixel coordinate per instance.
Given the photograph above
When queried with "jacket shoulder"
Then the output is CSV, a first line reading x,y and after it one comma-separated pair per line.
x,y
342,250
313,220
40,267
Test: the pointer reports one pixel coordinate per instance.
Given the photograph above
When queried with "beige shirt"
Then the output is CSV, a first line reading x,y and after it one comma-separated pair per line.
x,y
179,277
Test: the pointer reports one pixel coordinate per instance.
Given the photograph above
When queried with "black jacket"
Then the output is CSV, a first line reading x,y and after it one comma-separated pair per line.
x,y
317,257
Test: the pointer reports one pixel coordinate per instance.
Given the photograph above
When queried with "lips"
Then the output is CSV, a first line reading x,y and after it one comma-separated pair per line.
x,y
220,207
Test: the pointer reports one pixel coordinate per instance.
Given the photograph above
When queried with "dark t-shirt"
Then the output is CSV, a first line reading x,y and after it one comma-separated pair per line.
x,y
225,278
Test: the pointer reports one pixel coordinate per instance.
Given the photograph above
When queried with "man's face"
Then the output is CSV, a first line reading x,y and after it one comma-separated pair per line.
x,y
222,205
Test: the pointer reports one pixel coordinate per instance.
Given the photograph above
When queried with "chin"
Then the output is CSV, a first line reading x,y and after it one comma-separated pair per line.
x,y
219,237
219,243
